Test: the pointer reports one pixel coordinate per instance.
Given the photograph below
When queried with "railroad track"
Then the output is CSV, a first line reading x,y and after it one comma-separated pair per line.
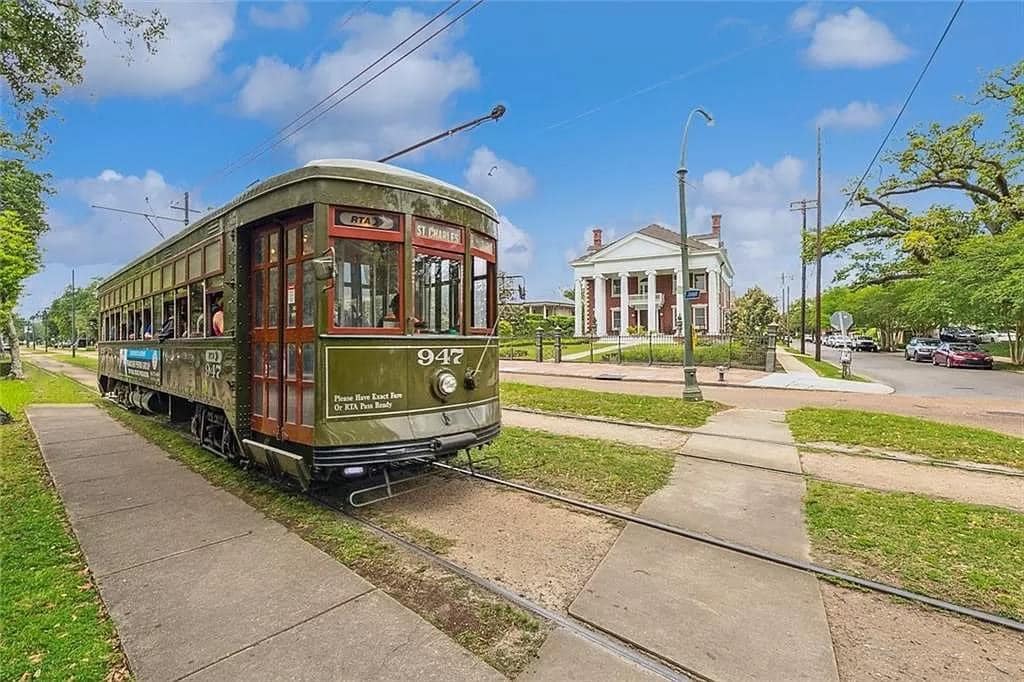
x,y
924,461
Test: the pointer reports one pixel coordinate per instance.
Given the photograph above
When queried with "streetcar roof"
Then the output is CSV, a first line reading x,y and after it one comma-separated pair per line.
x,y
357,170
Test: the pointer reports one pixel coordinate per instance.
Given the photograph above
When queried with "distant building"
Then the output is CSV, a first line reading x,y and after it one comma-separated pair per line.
x,y
547,309
645,265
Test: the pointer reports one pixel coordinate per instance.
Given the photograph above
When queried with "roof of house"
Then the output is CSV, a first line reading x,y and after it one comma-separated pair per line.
x,y
655,231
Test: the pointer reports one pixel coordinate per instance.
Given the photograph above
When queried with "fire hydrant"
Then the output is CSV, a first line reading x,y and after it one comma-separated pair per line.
x,y
721,372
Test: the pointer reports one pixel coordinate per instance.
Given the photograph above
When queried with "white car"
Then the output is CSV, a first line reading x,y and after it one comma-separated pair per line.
x,y
840,341
993,337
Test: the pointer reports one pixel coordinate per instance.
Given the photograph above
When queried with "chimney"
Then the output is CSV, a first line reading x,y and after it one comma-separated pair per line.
x,y
716,225
597,240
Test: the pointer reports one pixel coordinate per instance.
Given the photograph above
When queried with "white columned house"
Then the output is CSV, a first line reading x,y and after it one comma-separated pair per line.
x,y
635,282
600,305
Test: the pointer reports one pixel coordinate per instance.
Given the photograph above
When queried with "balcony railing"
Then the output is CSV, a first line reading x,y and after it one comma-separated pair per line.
x,y
640,300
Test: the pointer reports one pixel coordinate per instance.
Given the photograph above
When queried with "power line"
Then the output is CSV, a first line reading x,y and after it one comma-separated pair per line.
x,y
284,133
899,115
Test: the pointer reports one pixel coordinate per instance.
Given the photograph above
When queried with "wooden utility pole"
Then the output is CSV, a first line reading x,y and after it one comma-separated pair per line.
x,y
817,269
802,205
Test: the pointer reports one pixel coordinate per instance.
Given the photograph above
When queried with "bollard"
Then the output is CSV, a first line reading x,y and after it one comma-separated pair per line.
x,y
721,373
539,344
650,349
558,344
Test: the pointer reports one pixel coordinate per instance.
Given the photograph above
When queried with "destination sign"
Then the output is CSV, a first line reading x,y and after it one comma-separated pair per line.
x,y
438,232
373,221
481,242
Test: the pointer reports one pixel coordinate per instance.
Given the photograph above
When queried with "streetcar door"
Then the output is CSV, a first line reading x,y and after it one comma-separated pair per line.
x,y
283,319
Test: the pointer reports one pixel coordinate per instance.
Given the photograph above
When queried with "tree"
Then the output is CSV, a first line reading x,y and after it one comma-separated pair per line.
x,y
894,243
41,53
752,313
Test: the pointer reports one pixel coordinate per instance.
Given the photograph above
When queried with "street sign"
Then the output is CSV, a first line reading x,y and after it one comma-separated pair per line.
x,y
691,294
841,320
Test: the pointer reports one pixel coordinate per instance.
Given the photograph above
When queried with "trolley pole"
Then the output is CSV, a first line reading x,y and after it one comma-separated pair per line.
x,y
817,268
74,332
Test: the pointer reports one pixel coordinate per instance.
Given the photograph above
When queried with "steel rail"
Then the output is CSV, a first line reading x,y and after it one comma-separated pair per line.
x,y
607,642
977,469
772,557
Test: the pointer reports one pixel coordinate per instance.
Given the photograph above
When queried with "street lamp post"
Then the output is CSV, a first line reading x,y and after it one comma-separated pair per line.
x,y
691,391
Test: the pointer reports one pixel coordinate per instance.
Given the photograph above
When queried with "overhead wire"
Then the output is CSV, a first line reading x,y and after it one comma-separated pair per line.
x,y
899,115
284,133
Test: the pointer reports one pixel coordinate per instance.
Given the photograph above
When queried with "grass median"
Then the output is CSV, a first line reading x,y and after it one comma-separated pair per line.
x,y
632,408
964,553
824,369
600,470
54,624
906,434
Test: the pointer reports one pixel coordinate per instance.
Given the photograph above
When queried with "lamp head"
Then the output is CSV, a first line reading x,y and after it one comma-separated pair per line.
x,y
707,117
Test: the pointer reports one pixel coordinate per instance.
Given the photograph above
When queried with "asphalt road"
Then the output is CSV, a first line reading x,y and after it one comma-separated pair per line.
x,y
912,378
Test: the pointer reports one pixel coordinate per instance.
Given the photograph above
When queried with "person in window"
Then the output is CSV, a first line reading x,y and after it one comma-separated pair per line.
x,y
217,319
167,331
390,318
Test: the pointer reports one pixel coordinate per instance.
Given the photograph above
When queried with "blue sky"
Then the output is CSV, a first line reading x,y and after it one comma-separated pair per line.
x,y
596,95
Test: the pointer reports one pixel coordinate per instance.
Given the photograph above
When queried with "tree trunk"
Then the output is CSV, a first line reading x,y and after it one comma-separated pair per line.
x,y
16,371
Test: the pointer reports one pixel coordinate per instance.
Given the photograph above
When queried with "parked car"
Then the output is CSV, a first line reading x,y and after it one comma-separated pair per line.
x,y
958,334
841,341
961,355
920,348
865,343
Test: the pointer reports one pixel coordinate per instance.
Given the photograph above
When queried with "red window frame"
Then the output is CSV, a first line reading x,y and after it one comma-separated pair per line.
x,y
394,236
491,259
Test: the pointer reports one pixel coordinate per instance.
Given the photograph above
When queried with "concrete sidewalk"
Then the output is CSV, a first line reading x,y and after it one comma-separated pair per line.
x,y
671,374
801,377
718,613
202,586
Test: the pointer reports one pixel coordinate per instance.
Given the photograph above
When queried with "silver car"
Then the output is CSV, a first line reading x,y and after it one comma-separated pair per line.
x,y
920,349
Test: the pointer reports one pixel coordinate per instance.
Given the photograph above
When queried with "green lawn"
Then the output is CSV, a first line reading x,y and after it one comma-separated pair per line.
x,y
634,408
968,554
907,434
85,360
733,354
998,348
53,624
824,369
606,472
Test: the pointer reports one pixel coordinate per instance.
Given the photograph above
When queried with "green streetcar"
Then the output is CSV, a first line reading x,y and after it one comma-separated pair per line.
x,y
334,321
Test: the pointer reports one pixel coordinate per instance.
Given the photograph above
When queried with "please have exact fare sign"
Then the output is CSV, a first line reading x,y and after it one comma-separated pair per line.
x,y
355,403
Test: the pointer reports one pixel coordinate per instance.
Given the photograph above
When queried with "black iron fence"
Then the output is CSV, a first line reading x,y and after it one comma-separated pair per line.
x,y
709,350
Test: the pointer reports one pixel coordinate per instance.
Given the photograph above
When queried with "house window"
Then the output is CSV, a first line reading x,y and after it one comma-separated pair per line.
x,y
699,280
616,319
700,316
616,287
643,287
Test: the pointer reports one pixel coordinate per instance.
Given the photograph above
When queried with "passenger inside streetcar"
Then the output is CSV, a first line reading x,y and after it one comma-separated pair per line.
x,y
217,318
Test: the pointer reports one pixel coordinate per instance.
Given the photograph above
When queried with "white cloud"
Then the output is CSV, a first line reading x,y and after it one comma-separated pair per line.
x,y
290,15
856,40
804,17
406,104
186,57
496,179
760,233
83,236
854,115
515,247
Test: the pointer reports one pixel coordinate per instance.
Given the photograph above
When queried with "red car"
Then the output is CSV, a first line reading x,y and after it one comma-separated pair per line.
x,y
961,355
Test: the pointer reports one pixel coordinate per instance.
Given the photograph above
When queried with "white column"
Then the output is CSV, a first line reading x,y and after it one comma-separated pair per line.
x,y
714,302
652,303
600,307
680,289
623,302
580,310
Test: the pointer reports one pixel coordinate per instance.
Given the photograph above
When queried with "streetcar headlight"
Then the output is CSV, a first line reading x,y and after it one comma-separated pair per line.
x,y
446,383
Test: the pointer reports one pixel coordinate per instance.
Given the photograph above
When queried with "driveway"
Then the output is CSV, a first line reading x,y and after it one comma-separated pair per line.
x,y
913,378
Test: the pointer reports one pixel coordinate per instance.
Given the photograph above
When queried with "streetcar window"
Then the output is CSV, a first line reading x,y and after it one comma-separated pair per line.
x,y
215,312
257,299
483,288
307,361
291,238
308,293
438,293
273,288
291,304
307,238
181,314
308,403
168,279
197,314
195,264
179,271
366,287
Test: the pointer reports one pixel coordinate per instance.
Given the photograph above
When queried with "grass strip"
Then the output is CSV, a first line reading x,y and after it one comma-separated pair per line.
x,y
634,408
89,362
906,434
54,625
964,553
504,636
824,369
600,470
